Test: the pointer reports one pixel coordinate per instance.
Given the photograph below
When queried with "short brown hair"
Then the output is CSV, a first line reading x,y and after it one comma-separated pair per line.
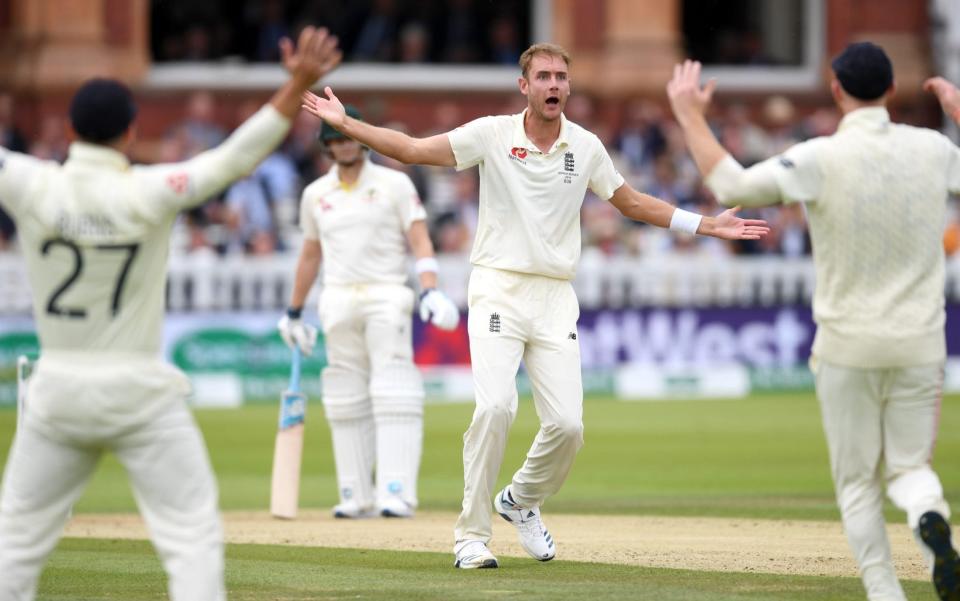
x,y
542,48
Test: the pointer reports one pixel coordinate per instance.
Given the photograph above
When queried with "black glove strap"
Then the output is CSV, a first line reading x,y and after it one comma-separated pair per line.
x,y
294,312
425,292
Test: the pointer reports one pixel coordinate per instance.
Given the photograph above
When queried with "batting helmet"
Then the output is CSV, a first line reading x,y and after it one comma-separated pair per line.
x,y
328,132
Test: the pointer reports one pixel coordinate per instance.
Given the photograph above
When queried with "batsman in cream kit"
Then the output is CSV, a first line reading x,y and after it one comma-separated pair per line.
x,y
358,219
94,233
535,168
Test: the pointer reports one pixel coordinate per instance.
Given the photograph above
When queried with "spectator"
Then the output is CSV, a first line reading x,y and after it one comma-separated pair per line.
x,y
378,34
51,142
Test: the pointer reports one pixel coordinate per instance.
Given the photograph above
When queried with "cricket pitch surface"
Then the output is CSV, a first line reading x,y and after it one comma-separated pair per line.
x,y
713,544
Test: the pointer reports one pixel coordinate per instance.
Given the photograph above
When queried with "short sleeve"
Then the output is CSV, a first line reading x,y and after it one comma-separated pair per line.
x,y
953,166
469,142
408,202
604,177
797,172
308,224
17,173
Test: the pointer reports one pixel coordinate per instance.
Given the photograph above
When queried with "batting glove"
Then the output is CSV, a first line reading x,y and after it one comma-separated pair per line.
x,y
437,308
295,332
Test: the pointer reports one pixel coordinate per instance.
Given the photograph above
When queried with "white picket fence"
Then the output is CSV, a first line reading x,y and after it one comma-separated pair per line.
x,y
209,283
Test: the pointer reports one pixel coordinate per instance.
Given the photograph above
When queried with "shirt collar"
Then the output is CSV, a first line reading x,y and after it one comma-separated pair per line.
x,y
520,139
84,153
871,117
364,171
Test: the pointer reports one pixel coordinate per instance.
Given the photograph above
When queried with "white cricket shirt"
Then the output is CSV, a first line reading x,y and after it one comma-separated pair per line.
x,y
529,219
95,233
875,195
362,227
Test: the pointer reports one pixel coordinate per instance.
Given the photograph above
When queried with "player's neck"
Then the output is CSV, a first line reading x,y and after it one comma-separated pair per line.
x,y
540,131
349,173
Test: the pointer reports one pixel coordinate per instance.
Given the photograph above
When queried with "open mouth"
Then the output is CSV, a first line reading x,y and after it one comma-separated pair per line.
x,y
553,100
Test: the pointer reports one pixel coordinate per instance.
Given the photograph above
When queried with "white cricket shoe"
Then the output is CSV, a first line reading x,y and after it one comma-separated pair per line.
x,y
534,537
394,507
473,554
351,510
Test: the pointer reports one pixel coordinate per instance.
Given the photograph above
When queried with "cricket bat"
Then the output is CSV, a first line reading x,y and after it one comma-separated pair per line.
x,y
288,450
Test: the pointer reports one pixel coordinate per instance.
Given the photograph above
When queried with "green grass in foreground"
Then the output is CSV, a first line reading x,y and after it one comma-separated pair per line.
x,y
763,456
113,570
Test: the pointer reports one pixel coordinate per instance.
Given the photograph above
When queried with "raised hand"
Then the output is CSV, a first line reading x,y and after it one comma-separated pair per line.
x,y
728,226
946,93
330,109
315,55
687,97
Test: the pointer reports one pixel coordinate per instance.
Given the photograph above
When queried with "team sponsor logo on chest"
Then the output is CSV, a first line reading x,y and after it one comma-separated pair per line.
x,y
518,154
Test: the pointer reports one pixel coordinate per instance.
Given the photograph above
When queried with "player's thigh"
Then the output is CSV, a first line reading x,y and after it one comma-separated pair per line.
x,y
388,335
911,418
343,329
852,411
170,469
496,325
552,358
44,475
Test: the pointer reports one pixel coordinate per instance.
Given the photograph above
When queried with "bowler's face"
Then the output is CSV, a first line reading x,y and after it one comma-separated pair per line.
x,y
546,86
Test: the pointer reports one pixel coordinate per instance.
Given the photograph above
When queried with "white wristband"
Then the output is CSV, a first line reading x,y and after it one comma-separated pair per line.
x,y
685,221
426,264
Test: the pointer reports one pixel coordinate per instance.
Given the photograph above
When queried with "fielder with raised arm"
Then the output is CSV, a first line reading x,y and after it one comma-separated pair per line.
x,y
875,195
94,234
358,218
535,168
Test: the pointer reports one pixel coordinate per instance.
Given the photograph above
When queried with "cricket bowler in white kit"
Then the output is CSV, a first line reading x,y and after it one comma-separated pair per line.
x,y
875,196
94,233
535,168
359,218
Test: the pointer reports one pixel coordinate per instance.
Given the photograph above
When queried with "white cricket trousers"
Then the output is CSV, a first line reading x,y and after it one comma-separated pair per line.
x,y
79,406
516,316
373,392
881,427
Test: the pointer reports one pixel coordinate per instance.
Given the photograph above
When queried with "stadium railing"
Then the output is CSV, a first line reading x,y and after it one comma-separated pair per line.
x,y
243,283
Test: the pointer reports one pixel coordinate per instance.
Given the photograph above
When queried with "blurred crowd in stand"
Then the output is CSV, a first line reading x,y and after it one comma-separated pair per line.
x,y
258,215
409,31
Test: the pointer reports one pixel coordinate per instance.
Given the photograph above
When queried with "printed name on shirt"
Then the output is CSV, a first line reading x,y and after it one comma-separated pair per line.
x,y
84,224
787,163
518,154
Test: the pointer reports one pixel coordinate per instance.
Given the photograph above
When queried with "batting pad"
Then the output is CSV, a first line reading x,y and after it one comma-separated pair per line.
x,y
396,387
350,416
399,446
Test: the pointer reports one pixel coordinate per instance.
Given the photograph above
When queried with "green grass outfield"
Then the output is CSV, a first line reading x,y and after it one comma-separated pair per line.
x,y
761,457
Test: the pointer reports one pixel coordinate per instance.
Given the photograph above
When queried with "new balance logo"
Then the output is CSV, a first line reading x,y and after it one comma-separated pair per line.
x,y
495,323
787,163
568,162
572,336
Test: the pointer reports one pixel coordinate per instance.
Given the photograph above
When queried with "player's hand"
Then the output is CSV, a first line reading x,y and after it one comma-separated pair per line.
x,y
296,332
728,226
437,308
687,97
946,93
315,55
330,109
